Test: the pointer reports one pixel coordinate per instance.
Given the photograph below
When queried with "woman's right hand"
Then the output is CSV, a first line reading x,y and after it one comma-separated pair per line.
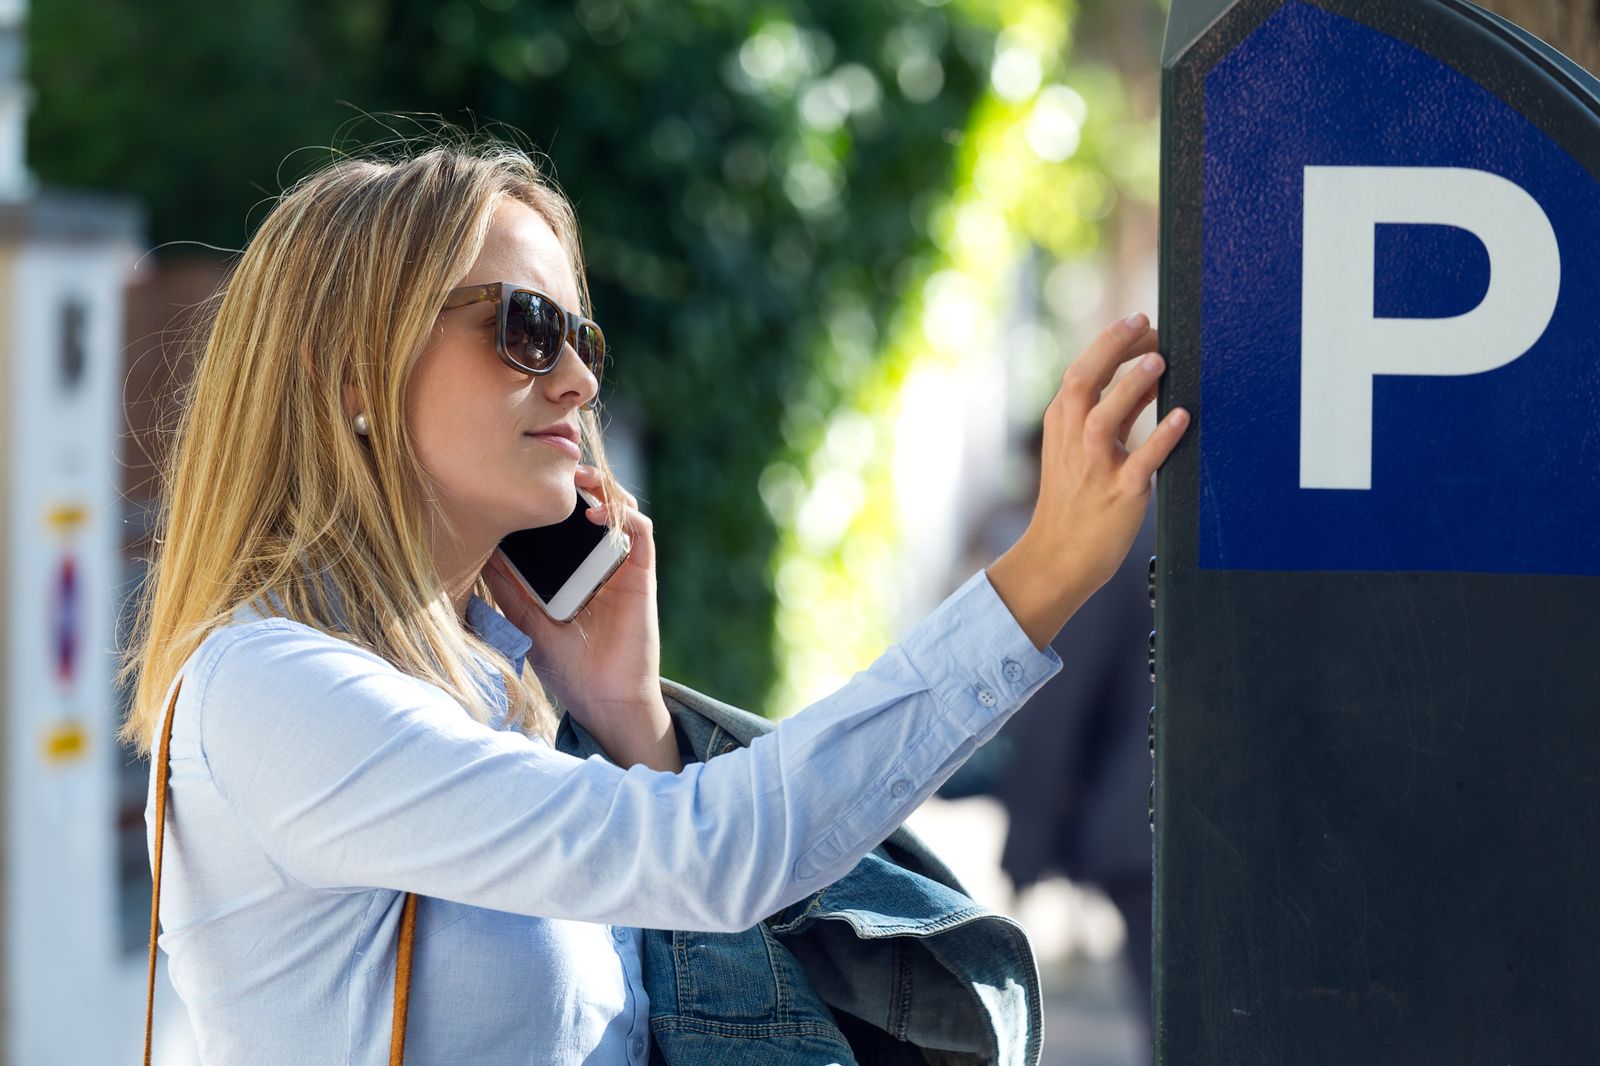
x,y
1093,492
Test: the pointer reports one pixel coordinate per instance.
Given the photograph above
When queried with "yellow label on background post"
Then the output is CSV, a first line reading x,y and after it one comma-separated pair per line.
x,y
67,516
65,741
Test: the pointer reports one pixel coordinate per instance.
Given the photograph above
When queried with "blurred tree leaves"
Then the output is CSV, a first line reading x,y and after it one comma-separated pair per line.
x,y
737,165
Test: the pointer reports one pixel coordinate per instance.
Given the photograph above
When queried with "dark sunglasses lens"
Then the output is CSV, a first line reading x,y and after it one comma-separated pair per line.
x,y
591,349
533,331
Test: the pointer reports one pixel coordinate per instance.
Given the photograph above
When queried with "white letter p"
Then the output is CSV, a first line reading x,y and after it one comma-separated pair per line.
x,y
1344,346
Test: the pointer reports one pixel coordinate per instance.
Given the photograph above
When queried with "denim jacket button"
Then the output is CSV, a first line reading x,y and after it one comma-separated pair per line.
x,y
899,788
987,697
1013,670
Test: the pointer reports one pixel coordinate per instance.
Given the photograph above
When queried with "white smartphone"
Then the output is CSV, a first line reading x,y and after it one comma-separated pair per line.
x,y
564,565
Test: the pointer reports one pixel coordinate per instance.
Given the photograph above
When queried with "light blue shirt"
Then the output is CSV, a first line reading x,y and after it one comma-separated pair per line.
x,y
313,784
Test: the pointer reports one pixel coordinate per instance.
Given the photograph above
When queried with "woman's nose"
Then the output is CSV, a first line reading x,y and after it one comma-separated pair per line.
x,y
571,374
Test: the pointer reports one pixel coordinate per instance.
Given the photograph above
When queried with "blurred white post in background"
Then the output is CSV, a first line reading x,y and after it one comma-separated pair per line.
x,y
70,988
64,262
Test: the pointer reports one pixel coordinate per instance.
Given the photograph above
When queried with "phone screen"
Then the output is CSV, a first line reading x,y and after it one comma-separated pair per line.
x,y
549,555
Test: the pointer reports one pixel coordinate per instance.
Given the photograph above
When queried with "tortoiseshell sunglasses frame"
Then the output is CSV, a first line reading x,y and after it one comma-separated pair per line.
x,y
502,292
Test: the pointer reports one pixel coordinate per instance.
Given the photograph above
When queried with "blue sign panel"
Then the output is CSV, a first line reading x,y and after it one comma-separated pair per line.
x,y
1400,330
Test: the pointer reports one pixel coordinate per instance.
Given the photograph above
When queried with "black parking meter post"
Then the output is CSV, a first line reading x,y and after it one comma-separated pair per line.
x,y
1377,716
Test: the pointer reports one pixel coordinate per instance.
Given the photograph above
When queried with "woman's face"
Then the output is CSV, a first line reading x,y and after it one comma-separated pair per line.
x,y
471,415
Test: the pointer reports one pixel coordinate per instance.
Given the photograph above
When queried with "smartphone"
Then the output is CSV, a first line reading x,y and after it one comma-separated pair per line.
x,y
564,565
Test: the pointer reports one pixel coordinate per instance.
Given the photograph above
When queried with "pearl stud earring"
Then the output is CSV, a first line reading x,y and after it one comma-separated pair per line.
x,y
361,424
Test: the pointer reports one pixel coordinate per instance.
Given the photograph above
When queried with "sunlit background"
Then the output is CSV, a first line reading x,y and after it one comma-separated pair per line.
x,y
842,251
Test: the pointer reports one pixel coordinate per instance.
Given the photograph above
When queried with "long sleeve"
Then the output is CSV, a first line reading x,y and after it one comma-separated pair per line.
x,y
351,775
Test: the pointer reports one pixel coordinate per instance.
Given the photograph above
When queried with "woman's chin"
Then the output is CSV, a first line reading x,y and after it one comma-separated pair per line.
x,y
554,506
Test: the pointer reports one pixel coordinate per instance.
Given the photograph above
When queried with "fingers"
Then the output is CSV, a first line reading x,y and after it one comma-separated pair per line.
x,y
589,477
1148,457
633,519
1116,411
640,531
1138,410
1116,344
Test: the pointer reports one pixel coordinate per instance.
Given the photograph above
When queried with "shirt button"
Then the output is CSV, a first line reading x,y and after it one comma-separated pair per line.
x,y
637,1047
987,697
899,788
1013,670
618,933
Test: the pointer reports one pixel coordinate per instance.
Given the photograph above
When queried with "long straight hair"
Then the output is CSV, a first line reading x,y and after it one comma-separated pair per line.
x,y
267,488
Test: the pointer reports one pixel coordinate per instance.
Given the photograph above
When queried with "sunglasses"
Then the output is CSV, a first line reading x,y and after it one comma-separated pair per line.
x,y
532,328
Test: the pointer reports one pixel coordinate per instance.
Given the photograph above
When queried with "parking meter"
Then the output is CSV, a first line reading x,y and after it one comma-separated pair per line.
x,y
1377,662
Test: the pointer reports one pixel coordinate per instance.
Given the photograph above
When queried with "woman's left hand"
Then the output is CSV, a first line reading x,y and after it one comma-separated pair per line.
x,y
604,665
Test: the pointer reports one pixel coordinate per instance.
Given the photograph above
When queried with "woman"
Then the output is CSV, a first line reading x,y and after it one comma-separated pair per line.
x,y
354,722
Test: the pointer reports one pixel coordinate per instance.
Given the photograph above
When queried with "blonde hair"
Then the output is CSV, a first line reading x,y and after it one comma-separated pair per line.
x,y
266,487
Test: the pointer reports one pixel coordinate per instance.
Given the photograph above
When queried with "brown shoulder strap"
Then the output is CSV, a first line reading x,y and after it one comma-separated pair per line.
x,y
408,916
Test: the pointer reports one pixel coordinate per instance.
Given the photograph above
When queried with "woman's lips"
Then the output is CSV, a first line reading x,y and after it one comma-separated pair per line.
x,y
556,440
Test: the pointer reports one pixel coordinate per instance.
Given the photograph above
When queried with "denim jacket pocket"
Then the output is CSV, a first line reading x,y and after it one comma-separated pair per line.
x,y
725,998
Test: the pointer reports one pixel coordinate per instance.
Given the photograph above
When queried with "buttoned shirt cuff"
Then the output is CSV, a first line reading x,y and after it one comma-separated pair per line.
x,y
976,657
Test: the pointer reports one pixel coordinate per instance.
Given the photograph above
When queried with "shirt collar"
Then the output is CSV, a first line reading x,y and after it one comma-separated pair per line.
x,y
489,624
496,630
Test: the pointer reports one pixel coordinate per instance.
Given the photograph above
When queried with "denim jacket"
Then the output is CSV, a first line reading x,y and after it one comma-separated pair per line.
x,y
892,963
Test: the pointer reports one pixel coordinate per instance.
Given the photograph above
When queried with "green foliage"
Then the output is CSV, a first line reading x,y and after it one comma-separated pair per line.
x,y
1050,150
755,181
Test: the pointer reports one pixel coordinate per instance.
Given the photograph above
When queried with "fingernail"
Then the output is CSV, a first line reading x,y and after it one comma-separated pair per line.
x,y
1136,321
1150,362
